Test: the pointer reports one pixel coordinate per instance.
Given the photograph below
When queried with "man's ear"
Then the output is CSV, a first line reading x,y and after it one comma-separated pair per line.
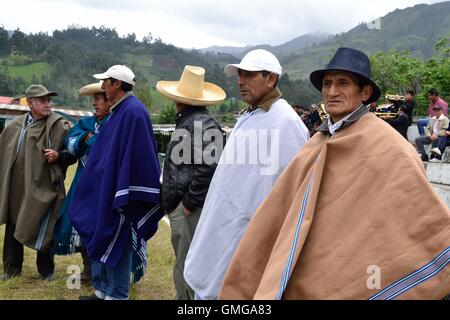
x,y
118,83
367,92
272,79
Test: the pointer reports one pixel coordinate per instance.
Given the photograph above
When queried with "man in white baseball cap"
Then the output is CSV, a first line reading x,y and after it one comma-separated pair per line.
x,y
119,72
237,189
116,206
256,60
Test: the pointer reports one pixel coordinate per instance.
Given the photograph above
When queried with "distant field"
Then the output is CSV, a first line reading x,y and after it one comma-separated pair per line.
x,y
157,284
141,60
37,69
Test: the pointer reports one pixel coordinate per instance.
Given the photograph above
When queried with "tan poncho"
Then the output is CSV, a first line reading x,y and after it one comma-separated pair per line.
x,y
31,189
348,210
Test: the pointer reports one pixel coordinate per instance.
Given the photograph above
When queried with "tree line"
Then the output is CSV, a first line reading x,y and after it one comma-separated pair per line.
x,y
74,54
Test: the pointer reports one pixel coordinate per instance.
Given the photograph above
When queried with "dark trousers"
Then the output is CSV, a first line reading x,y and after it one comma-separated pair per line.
x,y
421,141
182,232
443,142
13,255
87,264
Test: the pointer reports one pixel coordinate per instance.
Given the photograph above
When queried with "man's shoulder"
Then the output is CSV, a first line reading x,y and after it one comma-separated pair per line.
x,y
443,101
283,111
86,121
134,107
16,123
19,119
57,120
205,117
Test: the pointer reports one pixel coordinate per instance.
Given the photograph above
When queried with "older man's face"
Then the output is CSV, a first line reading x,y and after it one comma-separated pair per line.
x,y
101,105
342,95
40,107
254,86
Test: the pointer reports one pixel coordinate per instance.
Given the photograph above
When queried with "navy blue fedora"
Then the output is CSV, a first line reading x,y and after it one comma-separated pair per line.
x,y
350,60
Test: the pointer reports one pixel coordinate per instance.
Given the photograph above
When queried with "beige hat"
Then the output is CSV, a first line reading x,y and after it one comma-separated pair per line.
x,y
192,89
91,89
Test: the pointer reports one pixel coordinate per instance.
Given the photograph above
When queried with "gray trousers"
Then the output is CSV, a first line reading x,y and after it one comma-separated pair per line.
x,y
183,229
421,141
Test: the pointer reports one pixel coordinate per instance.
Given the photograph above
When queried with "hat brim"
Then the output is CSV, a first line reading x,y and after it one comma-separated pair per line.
x,y
212,94
104,76
101,76
91,89
232,69
316,78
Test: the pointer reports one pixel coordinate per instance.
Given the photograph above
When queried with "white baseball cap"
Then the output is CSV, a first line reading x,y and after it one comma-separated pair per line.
x,y
256,60
119,72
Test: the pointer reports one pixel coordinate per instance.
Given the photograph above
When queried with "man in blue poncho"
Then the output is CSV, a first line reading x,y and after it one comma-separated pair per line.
x,y
77,145
115,208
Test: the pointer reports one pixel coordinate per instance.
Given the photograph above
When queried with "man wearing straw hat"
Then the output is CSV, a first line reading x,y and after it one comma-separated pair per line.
x,y
78,144
116,207
186,176
262,143
353,216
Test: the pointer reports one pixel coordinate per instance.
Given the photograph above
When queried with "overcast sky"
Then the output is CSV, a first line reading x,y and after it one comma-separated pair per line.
x,y
200,23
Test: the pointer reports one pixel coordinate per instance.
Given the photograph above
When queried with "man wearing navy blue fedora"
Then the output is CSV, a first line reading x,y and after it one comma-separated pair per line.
x,y
353,216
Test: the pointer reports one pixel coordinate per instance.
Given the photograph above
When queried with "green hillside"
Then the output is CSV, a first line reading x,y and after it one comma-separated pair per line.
x,y
415,29
67,59
27,72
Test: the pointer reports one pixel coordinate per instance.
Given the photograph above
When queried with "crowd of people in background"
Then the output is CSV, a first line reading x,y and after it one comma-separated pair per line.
x,y
297,203
433,130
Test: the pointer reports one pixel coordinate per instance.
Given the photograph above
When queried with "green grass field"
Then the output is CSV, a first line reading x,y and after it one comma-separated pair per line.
x,y
26,72
157,284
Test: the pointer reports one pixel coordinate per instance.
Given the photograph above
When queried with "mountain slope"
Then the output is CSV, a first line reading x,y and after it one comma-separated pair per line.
x,y
284,49
416,29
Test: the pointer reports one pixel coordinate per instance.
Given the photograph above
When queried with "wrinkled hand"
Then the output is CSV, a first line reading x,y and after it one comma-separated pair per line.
x,y
434,137
51,155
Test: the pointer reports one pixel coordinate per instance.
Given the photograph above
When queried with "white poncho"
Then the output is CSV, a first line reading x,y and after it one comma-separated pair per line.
x,y
258,150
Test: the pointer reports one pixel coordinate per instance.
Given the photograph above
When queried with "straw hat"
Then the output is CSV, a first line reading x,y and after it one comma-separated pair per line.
x,y
91,89
192,89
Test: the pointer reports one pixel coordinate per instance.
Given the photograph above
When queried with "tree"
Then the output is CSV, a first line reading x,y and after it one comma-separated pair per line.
x,y
4,42
167,115
145,95
18,40
5,82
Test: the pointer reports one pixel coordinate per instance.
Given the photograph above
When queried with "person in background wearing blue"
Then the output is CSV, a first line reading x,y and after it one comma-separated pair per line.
x,y
78,144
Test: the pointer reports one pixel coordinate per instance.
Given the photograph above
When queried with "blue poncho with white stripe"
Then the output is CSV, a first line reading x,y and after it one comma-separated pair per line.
x,y
118,194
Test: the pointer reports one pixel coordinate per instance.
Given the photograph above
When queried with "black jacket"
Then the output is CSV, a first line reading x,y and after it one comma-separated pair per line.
x,y
188,182
401,124
409,110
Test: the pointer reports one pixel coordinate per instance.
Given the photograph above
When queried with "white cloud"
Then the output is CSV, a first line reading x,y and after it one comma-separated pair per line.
x,y
200,23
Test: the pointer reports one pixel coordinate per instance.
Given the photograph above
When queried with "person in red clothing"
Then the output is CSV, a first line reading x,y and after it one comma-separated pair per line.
x,y
433,97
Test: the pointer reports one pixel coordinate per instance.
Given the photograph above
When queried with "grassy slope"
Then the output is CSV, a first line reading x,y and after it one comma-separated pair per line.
x,y
157,284
38,69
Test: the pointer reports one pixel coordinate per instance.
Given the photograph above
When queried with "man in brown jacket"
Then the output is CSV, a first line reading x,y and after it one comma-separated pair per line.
x,y
31,182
